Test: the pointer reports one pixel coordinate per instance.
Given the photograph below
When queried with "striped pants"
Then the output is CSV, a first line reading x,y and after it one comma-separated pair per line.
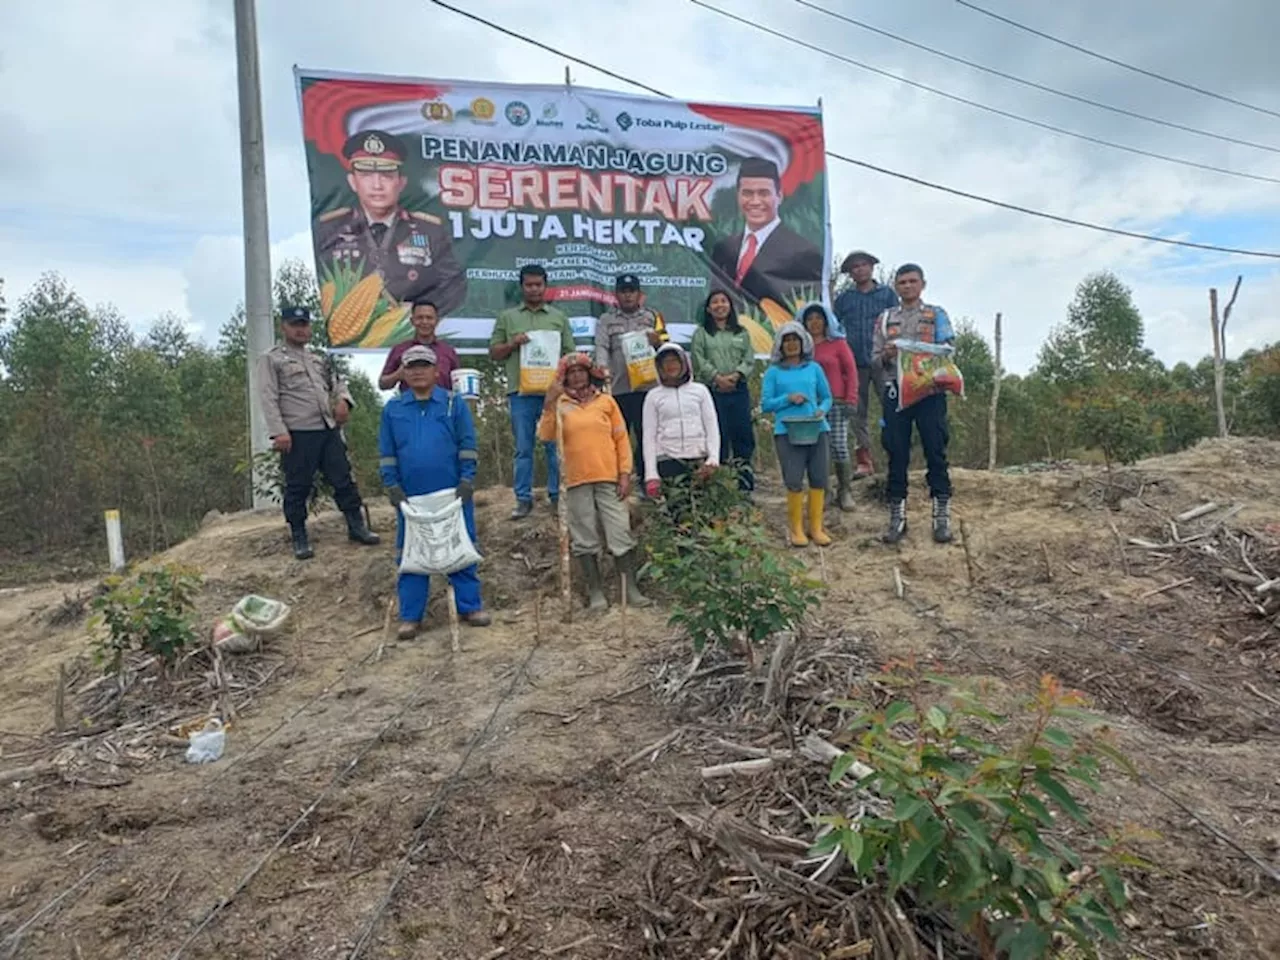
x,y
838,419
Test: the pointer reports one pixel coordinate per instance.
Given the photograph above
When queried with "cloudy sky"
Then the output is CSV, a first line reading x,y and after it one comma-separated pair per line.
x,y
119,164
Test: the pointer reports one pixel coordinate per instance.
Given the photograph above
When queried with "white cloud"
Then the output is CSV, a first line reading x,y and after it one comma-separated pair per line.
x,y
135,192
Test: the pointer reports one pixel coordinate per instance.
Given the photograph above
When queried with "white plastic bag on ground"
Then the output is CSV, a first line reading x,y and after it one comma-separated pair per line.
x,y
260,615
207,745
435,535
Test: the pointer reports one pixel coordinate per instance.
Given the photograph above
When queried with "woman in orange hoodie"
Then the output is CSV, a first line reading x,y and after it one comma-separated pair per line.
x,y
595,461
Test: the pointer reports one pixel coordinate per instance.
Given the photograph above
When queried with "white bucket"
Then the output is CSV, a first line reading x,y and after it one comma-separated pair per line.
x,y
466,383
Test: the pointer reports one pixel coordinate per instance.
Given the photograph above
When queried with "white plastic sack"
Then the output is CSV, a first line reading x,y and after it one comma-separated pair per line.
x,y
206,746
260,615
436,541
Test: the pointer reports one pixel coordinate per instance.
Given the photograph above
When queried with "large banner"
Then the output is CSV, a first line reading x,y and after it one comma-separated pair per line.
x,y
444,189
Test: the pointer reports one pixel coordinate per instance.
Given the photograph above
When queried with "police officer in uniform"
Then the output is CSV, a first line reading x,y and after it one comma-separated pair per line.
x,y
412,251
305,404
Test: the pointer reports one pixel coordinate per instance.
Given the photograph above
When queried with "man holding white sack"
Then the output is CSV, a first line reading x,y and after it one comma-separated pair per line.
x,y
427,443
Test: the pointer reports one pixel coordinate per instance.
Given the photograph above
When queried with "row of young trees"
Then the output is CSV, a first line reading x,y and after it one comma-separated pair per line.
x,y
93,416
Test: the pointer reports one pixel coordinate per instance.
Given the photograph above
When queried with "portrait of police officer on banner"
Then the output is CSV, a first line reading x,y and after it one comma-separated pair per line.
x,y
412,251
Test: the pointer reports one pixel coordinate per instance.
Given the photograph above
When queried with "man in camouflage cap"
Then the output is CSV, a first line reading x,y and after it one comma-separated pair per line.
x,y
412,251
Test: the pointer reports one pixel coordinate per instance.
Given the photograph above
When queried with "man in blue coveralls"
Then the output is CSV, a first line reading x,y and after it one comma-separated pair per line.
x,y
427,443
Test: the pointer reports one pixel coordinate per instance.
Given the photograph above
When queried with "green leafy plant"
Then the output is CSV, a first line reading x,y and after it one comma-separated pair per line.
x,y
710,554
1117,425
969,825
148,613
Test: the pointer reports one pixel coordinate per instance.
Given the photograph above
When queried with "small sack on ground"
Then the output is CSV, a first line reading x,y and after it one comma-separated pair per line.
x,y
436,541
207,745
925,369
228,637
642,371
260,616
538,359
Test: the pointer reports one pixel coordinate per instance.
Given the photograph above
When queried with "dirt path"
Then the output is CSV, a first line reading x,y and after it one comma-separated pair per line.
x,y
540,842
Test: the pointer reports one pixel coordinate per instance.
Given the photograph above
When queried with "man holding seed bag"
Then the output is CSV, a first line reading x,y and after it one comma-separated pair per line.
x,y
531,339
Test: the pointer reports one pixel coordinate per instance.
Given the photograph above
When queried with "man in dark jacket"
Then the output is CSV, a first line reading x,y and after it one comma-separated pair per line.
x,y
858,309
768,259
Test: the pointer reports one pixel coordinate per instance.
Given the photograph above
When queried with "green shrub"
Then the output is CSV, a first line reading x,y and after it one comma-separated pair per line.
x,y
709,553
149,613
968,825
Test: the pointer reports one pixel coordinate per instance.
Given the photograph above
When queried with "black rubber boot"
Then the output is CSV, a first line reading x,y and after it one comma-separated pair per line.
x,y
358,532
522,510
897,521
942,519
595,585
844,490
627,566
301,545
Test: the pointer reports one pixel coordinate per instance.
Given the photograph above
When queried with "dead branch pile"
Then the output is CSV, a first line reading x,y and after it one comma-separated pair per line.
x,y
1201,547
111,724
737,879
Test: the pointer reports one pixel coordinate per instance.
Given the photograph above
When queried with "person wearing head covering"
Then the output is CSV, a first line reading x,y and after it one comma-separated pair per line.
x,y
836,359
596,459
427,443
411,251
768,259
724,360
681,432
913,319
305,404
616,328
858,308
795,387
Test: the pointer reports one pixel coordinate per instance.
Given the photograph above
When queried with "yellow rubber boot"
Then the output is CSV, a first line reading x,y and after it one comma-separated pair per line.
x,y
817,499
795,518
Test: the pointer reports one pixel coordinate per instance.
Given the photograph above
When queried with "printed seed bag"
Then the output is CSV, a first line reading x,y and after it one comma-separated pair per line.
x,y
538,360
641,369
925,369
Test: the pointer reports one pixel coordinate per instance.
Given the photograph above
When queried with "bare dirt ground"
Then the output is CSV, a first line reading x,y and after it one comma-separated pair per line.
x,y
392,800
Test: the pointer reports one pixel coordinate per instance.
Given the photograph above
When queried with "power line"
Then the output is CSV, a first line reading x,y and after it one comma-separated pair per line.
x,y
1032,83
982,106
1119,63
862,163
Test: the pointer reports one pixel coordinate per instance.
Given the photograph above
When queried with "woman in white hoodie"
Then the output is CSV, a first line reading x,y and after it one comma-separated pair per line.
x,y
681,432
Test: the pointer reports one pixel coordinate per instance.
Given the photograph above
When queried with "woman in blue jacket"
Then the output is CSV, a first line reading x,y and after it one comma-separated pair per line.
x,y
795,387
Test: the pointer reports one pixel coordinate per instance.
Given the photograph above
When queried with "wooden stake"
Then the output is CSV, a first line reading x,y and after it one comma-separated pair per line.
x,y
898,586
60,700
451,598
1048,566
995,401
1124,559
1219,329
968,555
562,517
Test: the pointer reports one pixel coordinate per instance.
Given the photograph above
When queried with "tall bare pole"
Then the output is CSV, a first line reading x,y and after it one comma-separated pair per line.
x,y
1220,350
995,402
259,329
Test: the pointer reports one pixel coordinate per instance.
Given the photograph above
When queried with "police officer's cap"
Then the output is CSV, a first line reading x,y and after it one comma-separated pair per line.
x,y
626,281
858,256
418,353
295,315
374,150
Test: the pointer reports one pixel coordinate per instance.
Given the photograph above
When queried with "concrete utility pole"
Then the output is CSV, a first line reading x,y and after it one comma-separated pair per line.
x,y
259,325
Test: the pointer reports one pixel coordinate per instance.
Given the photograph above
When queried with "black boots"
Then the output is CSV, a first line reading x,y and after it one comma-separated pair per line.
x,y
942,519
590,564
358,531
627,566
301,545
897,522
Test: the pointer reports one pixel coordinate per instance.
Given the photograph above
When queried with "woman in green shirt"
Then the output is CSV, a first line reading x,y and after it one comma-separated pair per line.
x,y
723,360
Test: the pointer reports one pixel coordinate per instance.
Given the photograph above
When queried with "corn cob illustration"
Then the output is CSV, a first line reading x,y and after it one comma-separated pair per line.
x,y
327,291
761,339
383,326
352,314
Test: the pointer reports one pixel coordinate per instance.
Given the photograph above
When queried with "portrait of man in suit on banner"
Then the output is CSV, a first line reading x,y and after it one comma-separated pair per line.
x,y
767,260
